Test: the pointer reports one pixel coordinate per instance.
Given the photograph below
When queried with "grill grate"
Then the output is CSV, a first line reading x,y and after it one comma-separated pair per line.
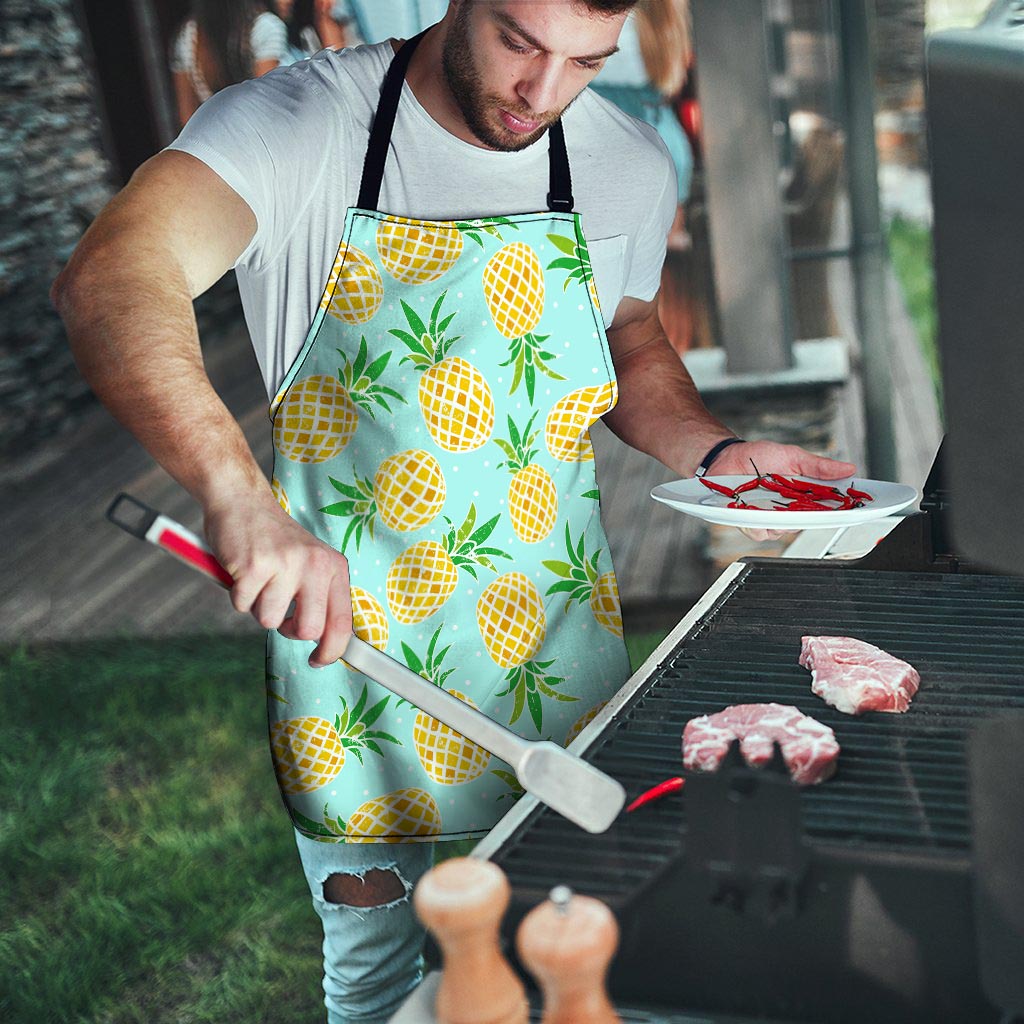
x,y
902,779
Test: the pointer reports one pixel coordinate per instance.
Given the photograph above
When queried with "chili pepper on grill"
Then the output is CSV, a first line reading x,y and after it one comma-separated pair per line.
x,y
656,793
720,488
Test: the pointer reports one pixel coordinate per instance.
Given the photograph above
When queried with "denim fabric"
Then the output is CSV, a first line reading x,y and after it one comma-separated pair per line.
x,y
372,955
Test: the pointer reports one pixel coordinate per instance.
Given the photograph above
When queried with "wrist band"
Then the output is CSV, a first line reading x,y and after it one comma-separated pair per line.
x,y
705,463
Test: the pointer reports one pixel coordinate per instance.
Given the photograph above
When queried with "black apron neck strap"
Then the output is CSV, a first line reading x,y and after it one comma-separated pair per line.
x,y
559,197
383,123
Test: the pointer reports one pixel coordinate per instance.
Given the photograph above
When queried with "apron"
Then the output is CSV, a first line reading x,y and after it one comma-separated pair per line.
x,y
435,428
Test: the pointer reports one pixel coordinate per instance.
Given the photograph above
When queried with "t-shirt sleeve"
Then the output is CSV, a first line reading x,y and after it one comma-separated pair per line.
x,y
269,38
268,139
649,252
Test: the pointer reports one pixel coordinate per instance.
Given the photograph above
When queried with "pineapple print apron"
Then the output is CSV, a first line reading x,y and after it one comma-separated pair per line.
x,y
435,428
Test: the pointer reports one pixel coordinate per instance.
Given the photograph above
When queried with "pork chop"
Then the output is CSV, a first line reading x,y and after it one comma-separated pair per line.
x,y
855,677
809,748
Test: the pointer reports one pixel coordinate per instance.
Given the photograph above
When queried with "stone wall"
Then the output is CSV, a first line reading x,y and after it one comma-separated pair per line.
x,y
54,178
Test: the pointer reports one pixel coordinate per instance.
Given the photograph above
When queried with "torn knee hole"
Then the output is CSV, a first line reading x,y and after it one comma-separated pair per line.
x,y
373,889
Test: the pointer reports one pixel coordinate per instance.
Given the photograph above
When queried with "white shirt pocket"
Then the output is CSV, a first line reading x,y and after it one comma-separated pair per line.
x,y
608,261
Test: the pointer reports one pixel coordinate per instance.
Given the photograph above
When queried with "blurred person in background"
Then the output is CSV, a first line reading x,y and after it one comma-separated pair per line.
x,y
647,74
221,43
314,25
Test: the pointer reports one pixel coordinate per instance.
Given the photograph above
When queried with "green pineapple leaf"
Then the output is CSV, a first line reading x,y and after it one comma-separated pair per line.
x,y
563,244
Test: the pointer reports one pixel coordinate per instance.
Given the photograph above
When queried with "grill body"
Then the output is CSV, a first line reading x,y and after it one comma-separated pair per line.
x,y
847,901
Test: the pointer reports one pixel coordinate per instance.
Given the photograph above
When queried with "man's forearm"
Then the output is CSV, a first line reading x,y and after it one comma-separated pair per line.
x,y
660,411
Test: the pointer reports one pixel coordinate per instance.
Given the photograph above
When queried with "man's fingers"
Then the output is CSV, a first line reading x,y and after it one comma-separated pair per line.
x,y
819,468
337,624
307,620
270,609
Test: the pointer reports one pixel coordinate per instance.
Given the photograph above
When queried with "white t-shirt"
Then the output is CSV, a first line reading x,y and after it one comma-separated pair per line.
x,y
292,144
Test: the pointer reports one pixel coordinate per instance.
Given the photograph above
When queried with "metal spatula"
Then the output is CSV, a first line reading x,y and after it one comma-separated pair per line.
x,y
567,784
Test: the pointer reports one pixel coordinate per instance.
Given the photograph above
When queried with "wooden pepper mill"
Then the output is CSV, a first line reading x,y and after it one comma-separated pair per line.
x,y
567,943
461,902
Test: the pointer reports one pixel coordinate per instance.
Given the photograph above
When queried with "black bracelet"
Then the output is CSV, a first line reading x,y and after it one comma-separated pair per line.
x,y
705,463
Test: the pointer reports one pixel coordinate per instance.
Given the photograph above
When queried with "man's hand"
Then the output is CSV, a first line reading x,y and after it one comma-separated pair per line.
x,y
771,457
276,564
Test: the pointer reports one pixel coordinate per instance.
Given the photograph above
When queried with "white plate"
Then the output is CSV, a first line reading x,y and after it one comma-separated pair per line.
x,y
693,498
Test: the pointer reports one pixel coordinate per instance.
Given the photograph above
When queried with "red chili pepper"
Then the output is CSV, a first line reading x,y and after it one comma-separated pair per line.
x,y
749,485
809,487
720,488
863,495
807,505
656,793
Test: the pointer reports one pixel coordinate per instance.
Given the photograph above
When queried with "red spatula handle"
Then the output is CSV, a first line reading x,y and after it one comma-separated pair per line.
x,y
147,524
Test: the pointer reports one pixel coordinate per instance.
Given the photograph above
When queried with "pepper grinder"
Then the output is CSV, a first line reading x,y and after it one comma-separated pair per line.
x,y
461,902
567,943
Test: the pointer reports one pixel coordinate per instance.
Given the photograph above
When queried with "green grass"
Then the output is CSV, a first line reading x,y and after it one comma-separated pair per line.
x,y
910,246
147,868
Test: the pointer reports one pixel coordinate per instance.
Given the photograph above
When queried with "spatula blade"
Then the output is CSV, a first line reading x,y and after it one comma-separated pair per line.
x,y
572,787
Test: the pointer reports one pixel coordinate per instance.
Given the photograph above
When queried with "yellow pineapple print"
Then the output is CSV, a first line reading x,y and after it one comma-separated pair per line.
x,y
510,617
566,430
582,722
318,415
354,289
455,400
407,491
446,755
425,575
315,420
532,497
369,620
580,580
282,497
309,752
406,815
514,289
417,252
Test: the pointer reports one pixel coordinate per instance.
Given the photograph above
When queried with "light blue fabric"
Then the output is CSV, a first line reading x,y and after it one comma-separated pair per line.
x,y
372,955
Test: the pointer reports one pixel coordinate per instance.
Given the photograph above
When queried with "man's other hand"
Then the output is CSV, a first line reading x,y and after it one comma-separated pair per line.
x,y
771,457
284,577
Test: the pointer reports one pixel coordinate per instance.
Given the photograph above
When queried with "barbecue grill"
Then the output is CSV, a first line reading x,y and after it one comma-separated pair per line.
x,y
744,895
894,892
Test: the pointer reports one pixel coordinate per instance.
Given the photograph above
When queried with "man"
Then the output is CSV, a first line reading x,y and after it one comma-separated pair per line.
x,y
433,376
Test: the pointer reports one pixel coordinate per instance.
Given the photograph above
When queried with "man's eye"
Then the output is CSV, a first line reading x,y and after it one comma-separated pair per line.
x,y
513,46
590,65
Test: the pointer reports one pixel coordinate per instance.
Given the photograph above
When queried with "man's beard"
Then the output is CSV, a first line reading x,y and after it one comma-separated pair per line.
x,y
464,83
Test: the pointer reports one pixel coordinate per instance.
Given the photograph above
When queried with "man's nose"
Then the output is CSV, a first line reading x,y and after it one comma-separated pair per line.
x,y
539,89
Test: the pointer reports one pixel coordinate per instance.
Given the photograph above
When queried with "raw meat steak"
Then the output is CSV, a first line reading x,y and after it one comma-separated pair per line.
x,y
809,748
855,677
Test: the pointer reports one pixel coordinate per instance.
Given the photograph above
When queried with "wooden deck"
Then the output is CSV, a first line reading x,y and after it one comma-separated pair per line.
x,y
73,575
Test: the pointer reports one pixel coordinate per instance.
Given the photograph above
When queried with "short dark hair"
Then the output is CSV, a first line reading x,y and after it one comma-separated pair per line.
x,y
609,6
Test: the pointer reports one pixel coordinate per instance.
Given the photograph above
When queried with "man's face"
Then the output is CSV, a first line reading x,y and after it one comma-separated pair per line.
x,y
513,66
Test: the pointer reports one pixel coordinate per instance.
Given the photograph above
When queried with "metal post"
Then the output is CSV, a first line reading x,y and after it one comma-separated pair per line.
x,y
868,239
748,236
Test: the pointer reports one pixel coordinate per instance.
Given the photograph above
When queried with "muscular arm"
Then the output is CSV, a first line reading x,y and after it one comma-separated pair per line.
x,y
126,300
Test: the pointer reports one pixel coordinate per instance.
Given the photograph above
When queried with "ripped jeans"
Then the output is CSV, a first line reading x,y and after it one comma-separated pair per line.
x,y
373,943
